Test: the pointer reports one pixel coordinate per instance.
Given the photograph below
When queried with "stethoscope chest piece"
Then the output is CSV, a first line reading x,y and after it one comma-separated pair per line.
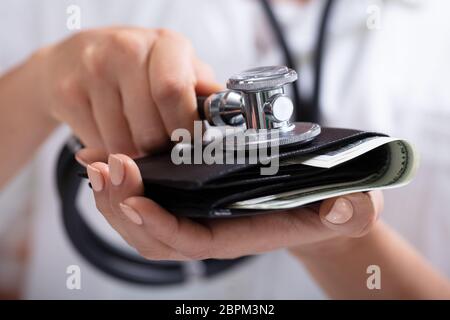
x,y
256,102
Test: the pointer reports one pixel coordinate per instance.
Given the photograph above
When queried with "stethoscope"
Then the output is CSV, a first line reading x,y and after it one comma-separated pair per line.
x,y
256,99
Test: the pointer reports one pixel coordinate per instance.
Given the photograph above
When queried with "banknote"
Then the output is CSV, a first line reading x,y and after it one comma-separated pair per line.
x,y
400,169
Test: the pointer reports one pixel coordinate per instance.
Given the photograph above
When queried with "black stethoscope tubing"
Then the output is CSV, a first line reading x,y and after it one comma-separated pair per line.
x,y
130,267
307,110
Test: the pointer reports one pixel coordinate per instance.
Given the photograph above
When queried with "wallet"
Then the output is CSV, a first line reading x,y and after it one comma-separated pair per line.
x,y
230,190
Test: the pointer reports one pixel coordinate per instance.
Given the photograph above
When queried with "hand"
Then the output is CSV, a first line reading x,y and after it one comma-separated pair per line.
x,y
158,235
123,89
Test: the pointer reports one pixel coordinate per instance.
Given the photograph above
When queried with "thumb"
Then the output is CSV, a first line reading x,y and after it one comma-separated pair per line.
x,y
352,215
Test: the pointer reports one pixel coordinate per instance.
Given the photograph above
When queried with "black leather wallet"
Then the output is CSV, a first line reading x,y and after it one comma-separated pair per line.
x,y
201,190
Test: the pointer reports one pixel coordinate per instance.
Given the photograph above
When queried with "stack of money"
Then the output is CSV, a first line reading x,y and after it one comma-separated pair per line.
x,y
399,170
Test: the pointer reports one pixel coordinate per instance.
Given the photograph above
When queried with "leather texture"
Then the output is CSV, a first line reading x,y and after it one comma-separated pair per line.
x,y
202,190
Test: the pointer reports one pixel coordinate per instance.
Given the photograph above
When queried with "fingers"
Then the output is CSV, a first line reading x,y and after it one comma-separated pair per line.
x,y
121,180
110,119
137,86
267,232
172,78
229,238
87,156
352,215
71,95
111,184
125,179
188,238
154,232
98,174
145,123
104,95
147,128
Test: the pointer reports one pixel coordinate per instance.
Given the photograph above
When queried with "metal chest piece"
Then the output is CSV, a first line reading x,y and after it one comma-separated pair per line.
x,y
257,101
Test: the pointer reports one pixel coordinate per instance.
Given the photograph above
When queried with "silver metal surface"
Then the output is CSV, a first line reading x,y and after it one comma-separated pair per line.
x,y
257,102
298,133
279,110
224,108
260,89
262,78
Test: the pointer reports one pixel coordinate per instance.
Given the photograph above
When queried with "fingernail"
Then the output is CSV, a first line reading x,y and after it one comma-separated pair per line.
x,y
131,214
116,170
341,212
81,160
96,178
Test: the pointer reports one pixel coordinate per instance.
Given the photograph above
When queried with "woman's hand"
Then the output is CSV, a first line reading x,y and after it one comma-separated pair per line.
x,y
123,89
159,235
